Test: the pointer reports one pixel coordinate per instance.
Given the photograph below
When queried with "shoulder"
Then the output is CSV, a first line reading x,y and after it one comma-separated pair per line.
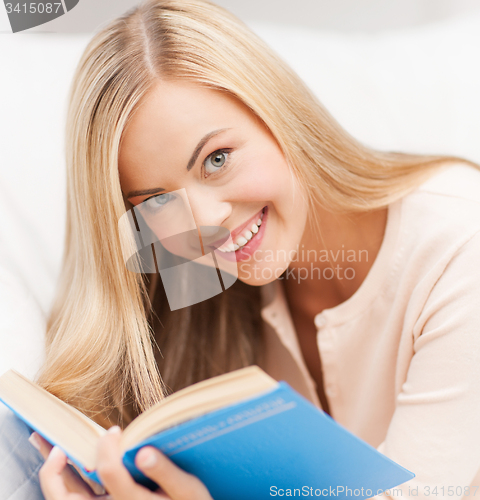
x,y
442,214
452,194
438,246
458,180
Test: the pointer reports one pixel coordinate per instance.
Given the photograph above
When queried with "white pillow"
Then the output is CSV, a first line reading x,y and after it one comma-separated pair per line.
x,y
411,90
22,326
36,74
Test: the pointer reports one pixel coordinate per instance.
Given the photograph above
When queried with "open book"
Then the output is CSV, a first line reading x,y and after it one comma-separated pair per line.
x,y
244,434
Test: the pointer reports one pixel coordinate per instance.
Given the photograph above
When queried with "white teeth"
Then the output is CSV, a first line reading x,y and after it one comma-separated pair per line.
x,y
244,238
247,234
226,248
241,240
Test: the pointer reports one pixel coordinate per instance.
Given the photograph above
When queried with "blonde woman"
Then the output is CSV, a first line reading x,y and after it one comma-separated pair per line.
x,y
358,275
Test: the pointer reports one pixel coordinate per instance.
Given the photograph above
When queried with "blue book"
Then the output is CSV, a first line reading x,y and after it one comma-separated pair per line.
x,y
243,434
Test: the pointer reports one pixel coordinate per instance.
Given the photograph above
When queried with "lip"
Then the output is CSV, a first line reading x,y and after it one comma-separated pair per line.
x,y
246,225
249,248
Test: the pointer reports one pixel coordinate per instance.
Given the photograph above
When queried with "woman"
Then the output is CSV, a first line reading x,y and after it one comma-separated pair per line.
x,y
357,269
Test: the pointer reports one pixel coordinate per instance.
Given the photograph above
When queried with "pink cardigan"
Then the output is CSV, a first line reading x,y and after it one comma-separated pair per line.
x,y
401,357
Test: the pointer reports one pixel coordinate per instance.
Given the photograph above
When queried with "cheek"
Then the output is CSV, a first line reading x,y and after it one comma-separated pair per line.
x,y
265,178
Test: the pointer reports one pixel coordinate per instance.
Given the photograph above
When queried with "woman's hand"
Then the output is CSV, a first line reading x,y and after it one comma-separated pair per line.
x,y
59,482
54,475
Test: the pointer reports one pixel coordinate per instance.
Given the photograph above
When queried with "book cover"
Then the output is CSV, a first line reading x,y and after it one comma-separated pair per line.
x,y
272,442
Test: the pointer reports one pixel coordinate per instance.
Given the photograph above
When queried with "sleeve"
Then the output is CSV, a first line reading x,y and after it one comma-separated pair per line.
x,y
20,462
435,429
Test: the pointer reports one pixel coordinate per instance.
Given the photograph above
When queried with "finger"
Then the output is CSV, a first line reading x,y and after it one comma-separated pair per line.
x,y
177,483
41,444
72,482
50,475
114,475
95,488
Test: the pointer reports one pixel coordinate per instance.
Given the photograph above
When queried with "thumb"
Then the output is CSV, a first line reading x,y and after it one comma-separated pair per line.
x,y
175,482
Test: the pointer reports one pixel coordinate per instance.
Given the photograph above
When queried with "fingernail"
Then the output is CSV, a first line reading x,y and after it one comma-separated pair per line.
x,y
114,430
33,440
55,452
146,458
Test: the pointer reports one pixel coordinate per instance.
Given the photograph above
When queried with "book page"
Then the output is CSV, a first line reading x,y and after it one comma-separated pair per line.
x,y
198,399
54,419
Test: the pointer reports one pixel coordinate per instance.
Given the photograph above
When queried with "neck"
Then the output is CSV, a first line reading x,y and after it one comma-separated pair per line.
x,y
333,261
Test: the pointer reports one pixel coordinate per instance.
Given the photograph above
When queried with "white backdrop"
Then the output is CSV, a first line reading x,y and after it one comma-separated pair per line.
x,y
335,15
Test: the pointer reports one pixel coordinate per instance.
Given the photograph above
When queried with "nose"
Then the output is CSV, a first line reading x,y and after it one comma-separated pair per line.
x,y
208,209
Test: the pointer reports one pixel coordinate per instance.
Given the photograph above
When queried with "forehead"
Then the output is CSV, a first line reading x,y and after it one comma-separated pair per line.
x,y
176,115
170,121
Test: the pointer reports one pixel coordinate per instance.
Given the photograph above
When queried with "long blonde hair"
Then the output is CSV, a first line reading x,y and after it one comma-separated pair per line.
x,y
110,333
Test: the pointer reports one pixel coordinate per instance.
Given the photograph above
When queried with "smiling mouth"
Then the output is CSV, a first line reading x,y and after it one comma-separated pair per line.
x,y
245,236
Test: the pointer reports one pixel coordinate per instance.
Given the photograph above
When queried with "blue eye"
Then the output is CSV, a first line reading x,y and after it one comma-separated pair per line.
x,y
215,161
157,202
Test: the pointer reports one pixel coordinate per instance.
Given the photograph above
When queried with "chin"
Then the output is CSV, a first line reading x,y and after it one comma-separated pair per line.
x,y
259,275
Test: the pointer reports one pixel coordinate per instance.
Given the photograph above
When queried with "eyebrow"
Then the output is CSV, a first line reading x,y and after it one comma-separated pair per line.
x,y
190,163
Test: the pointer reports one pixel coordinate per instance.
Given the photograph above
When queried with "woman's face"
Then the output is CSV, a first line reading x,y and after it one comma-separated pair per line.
x,y
185,136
